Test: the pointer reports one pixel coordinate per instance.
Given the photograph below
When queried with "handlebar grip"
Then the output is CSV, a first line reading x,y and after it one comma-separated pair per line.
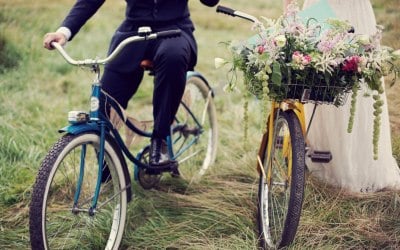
x,y
169,33
226,10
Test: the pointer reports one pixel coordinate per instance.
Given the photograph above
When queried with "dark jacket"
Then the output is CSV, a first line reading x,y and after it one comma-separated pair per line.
x,y
143,12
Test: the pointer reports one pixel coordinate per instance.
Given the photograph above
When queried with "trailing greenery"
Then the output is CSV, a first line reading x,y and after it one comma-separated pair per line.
x,y
217,213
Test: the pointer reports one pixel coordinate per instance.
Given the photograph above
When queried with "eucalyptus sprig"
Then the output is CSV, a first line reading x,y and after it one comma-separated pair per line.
x,y
352,108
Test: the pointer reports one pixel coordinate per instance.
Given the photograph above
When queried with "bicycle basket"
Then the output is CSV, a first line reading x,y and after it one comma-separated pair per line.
x,y
310,88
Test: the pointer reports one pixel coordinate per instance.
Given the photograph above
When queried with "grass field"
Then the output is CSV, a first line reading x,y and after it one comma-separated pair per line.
x,y
37,89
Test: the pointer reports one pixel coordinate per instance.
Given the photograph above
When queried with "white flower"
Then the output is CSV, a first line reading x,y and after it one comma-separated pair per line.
x,y
280,41
364,39
396,53
363,62
219,62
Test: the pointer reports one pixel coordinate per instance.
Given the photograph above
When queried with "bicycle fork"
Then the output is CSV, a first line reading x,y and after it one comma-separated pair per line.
x,y
283,142
94,116
101,162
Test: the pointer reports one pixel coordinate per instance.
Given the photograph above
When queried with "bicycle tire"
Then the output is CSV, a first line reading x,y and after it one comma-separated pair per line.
x,y
281,191
53,224
201,149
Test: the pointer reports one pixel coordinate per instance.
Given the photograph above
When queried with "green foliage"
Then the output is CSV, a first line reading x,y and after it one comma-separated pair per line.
x,y
17,190
352,108
9,56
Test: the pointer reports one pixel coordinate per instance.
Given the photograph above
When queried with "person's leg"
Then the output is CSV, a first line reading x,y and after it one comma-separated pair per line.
x,y
123,75
171,62
172,59
121,85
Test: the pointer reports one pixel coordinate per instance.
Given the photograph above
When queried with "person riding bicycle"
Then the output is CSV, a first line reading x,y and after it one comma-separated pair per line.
x,y
171,58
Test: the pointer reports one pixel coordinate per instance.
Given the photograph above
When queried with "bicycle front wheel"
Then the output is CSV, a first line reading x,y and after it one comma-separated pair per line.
x,y
62,213
281,186
195,132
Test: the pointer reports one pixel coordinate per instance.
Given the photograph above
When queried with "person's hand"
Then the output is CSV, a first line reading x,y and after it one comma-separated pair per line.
x,y
53,37
209,3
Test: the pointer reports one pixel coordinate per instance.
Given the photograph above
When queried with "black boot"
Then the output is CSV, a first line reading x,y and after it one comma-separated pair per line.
x,y
159,157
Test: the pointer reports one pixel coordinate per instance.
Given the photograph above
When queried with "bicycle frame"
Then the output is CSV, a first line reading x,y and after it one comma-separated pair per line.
x,y
100,123
97,120
281,163
298,109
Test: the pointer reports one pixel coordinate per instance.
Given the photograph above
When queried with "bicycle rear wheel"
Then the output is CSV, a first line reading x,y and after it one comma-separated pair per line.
x,y
61,211
281,186
195,132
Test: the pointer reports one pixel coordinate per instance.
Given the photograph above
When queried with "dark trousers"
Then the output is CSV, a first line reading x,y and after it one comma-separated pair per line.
x,y
172,58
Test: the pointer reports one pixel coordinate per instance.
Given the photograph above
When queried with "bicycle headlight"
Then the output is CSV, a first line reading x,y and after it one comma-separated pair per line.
x,y
75,117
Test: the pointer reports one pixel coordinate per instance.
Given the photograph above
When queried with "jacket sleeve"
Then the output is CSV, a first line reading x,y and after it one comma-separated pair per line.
x,y
209,3
80,13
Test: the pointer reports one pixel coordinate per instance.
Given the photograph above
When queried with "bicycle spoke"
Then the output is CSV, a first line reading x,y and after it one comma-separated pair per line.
x,y
190,156
197,112
280,169
113,197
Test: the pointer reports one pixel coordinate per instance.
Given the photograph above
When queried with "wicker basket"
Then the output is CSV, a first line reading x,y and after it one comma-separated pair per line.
x,y
317,93
316,90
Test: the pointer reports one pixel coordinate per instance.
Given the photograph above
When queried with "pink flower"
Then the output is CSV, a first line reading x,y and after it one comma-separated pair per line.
x,y
351,64
296,53
306,59
260,49
295,28
301,59
297,57
325,46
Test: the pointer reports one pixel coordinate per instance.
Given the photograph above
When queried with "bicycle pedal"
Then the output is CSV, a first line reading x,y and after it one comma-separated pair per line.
x,y
321,156
175,171
154,170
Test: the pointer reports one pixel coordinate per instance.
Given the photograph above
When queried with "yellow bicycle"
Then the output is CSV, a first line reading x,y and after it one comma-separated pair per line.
x,y
282,154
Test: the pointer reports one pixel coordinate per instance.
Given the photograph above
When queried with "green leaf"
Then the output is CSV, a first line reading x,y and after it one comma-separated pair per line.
x,y
276,76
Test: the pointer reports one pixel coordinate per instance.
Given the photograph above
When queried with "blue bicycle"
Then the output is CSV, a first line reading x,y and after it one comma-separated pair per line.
x,y
84,184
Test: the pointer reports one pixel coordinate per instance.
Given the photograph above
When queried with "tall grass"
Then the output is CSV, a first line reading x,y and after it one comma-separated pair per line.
x,y
37,89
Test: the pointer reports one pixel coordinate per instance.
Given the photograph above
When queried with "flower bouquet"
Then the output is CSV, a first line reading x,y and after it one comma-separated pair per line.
x,y
290,58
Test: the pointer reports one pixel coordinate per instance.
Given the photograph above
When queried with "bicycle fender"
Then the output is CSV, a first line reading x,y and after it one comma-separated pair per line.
x,y
79,128
199,75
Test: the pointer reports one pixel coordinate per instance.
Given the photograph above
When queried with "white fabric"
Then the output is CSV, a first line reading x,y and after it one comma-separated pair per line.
x,y
66,32
353,167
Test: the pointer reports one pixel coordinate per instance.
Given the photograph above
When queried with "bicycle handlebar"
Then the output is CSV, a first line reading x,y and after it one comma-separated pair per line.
x,y
168,33
132,39
232,12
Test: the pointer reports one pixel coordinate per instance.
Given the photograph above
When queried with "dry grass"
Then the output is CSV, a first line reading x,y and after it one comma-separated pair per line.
x,y
219,212
335,219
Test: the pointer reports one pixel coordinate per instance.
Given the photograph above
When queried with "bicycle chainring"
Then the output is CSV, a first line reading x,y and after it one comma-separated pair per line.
x,y
146,180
